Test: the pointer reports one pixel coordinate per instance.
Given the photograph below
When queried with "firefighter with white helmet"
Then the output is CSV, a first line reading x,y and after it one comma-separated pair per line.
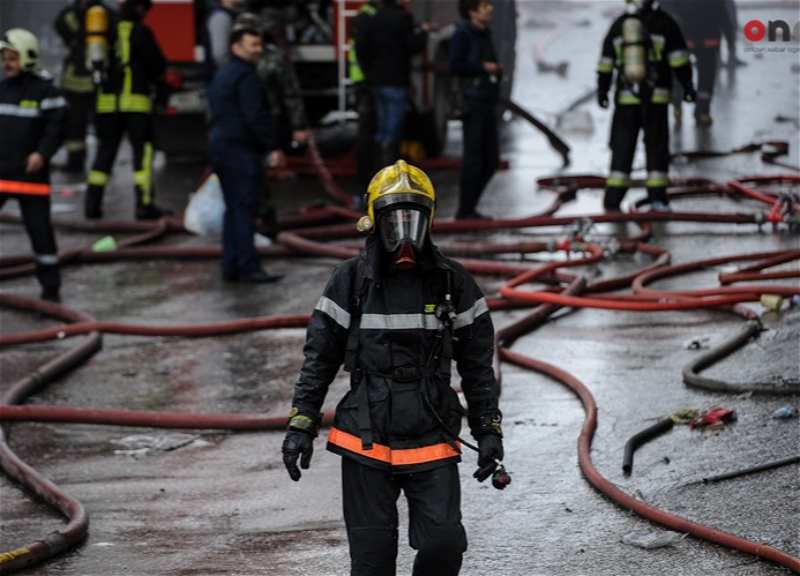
x,y
33,116
396,316
643,48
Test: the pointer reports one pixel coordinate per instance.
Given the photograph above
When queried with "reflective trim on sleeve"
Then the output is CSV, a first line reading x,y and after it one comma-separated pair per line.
x,y
678,58
397,457
97,178
606,64
468,316
30,188
334,312
53,103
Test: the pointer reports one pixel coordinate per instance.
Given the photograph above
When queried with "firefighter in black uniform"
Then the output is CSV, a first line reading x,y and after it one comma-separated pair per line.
x,y
33,118
396,316
703,24
76,80
645,47
125,104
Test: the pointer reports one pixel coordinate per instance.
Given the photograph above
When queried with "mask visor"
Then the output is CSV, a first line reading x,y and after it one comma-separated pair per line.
x,y
403,225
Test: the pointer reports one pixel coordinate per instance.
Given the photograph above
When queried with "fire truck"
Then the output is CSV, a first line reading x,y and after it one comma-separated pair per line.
x,y
317,43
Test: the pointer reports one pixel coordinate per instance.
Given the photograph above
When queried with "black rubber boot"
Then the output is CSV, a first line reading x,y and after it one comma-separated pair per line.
x,y
151,212
93,203
613,198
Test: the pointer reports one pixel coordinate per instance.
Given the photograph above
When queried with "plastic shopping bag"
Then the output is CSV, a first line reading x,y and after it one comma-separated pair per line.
x,y
206,208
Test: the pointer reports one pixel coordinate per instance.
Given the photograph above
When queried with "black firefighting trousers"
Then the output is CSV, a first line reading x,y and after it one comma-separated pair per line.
x,y
370,513
36,217
628,121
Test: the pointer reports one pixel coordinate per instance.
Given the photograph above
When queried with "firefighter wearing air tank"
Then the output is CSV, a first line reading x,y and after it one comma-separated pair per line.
x,y
645,48
396,316
83,26
125,102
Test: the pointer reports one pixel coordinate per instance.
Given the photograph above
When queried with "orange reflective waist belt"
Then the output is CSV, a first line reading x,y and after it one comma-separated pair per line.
x,y
396,457
17,187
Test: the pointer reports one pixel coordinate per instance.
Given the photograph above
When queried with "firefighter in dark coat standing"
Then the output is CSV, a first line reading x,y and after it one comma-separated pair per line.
x,y
703,24
645,47
125,104
242,135
76,80
33,116
396,316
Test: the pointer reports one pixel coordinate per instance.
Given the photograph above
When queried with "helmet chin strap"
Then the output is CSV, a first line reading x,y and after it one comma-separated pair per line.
x,y
406,258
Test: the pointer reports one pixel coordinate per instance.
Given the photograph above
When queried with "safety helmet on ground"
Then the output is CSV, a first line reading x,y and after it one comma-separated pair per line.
x,y
400,202
23,43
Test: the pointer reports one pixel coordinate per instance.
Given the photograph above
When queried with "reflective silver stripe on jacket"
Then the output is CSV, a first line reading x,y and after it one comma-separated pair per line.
x,y
468,316
398,321
20,111
334,311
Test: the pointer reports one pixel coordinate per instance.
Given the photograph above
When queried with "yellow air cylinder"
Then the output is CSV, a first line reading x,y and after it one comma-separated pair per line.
x,y
633,52
96,27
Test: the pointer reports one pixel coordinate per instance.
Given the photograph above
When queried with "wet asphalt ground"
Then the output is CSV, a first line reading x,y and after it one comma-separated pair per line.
x,y
200,502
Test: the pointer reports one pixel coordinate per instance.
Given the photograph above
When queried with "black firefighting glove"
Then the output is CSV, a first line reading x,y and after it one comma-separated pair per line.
x,y
602,99
299,443
689,94
490,452
487,429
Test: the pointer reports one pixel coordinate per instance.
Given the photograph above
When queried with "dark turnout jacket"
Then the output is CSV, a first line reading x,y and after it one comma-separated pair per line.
x,y
33,116
385,45
400,402
666,54
137,66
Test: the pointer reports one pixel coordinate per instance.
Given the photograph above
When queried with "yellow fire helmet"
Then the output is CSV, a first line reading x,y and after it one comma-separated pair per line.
x,y
394,185
23,43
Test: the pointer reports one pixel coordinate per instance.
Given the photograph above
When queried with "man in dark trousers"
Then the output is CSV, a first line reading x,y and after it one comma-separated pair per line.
x,y
125,105
384,47
241,136
473,59
396,316
703,25
76,80
644,64
33,117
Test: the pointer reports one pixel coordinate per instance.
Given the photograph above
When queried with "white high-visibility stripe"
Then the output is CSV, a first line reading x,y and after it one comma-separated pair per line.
x,y
658,39
468,316
19,111
47,259
53,103
334,311
399,322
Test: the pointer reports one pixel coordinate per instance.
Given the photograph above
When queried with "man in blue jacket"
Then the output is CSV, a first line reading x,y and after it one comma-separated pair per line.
x,y
241,136
473,59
